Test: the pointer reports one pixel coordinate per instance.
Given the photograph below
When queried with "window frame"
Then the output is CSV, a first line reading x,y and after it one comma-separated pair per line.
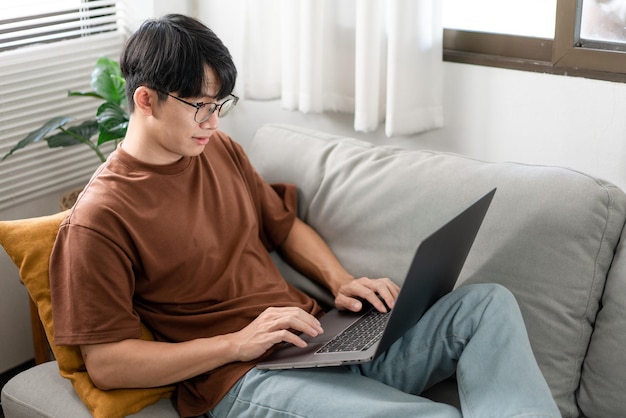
x,y
563,55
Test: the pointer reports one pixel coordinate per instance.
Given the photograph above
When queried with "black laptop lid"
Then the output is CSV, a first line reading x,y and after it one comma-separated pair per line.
x,y
435,269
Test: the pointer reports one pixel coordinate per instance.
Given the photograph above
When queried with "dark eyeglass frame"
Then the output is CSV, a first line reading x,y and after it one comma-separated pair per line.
x,y
216,106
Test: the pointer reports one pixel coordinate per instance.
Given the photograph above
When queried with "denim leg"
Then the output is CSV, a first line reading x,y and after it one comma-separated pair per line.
x,y
322,393
478,332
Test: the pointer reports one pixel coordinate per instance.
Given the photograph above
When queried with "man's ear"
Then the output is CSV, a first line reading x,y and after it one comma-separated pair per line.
x,y
145,99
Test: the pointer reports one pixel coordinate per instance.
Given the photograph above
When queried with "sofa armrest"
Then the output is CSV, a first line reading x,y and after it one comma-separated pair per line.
x,y
40,392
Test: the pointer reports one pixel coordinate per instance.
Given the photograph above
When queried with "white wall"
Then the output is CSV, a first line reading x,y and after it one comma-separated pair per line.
x,y
497,115
139,10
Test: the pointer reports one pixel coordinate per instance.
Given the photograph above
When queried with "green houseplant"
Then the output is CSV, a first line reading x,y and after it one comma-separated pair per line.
x,y
109,124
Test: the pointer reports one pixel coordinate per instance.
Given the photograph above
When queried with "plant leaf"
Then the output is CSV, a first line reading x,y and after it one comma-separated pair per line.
x,y
85,94
107,81
74,135
120,85
113,122
38,134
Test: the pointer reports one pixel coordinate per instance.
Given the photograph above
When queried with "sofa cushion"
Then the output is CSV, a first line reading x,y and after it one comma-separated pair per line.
x,y
29,243
604,370
549,235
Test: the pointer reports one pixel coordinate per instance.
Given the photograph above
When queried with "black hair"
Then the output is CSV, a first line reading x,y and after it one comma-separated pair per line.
x,y
170,54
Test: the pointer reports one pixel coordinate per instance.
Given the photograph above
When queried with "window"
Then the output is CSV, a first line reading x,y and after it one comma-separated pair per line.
x,y
524,17
573,37
603,21
48,48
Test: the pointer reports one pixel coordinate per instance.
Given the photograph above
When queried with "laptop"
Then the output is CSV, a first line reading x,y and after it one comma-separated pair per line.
x,y
432,274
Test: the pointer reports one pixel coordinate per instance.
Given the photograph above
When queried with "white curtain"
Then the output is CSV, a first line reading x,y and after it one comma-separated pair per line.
x,y
378,59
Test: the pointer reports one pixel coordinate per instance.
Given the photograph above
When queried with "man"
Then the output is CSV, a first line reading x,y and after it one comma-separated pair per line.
x,y
174,231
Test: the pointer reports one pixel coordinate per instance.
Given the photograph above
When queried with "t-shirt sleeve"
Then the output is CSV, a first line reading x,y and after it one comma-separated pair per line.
x,y
91,289
278,217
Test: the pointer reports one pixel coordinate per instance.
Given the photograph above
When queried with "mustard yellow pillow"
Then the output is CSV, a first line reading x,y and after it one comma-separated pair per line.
x,y
29,244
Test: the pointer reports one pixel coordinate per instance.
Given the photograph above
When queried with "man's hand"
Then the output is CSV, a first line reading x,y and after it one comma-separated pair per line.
x,y
351,293
273,326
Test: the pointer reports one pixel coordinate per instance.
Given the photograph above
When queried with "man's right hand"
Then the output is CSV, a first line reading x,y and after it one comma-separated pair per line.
x,y
135,363
273,326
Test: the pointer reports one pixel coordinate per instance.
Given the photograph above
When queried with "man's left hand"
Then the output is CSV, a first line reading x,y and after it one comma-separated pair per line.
x,y
374,291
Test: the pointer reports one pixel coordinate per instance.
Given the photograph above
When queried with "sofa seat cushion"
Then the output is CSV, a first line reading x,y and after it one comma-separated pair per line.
x,y
41,392
549,235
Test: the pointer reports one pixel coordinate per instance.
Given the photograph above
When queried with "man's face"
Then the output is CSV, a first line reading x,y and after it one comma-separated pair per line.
x,y
175,132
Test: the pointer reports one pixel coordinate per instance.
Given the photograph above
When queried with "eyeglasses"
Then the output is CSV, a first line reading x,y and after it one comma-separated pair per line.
x,y
205,110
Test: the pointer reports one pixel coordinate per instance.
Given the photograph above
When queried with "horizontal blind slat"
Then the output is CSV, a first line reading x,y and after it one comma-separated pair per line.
x,y
23,9
72,18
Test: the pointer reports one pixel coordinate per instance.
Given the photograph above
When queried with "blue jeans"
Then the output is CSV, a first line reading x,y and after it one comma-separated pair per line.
x,y
476,331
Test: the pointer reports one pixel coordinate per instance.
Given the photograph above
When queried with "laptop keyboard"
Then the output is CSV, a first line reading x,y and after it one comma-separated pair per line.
x,y
359,336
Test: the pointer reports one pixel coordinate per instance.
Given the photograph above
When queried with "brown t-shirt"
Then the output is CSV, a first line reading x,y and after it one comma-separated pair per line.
x,y
183,248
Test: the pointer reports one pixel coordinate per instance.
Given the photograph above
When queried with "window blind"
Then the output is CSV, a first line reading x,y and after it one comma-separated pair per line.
x,y
34,81
37,21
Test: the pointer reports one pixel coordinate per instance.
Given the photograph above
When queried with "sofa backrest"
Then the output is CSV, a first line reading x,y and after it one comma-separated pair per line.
x,y
549,236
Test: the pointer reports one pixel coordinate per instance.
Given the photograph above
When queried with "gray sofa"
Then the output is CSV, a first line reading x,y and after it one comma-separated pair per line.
x,y
552,236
